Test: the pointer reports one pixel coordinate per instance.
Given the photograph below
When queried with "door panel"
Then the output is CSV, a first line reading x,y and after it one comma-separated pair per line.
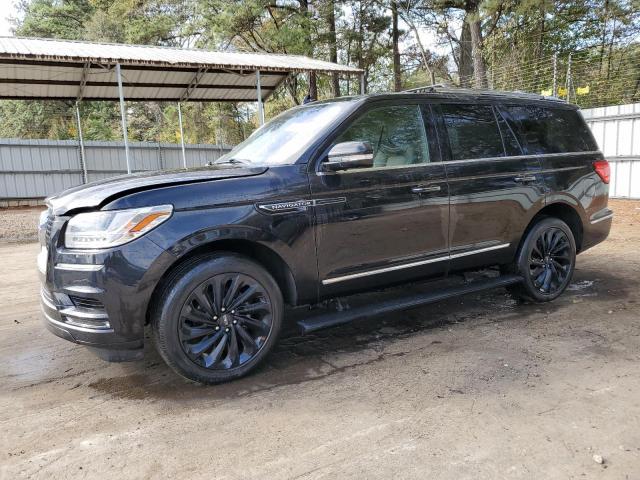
x,y
492,197
388,223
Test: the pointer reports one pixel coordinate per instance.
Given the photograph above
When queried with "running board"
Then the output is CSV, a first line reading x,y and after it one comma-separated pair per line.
x,y
332,319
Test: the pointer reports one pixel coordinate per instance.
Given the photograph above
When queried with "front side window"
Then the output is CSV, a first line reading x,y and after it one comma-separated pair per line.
x,y
473,131
396,133
550,130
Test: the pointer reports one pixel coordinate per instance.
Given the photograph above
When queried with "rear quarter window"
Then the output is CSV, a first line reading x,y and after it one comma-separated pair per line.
x,y
549,130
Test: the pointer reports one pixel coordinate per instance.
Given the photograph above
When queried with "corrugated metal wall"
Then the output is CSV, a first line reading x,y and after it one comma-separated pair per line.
x,y
39,168
617,131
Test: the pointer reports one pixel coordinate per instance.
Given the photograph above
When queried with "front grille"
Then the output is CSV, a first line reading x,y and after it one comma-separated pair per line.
x,y
83,302
47,228
86,313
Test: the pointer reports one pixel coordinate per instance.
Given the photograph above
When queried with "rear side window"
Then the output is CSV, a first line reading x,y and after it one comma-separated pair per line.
x,y
550,130
473,131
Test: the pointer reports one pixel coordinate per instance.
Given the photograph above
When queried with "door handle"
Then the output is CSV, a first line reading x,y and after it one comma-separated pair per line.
x,y
525,178
422,189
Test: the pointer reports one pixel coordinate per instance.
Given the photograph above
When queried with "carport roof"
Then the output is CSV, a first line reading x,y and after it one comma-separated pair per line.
x,y
49,69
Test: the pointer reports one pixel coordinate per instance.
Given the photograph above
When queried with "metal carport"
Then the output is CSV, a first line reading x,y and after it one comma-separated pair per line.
x,y
47,69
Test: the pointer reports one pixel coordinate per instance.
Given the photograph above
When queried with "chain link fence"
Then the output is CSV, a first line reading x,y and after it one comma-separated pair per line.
x,y
590,77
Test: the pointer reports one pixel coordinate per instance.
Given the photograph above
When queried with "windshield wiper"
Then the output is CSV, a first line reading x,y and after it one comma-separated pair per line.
x,y
232,161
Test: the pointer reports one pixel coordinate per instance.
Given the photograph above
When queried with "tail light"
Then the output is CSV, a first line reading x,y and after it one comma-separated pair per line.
x,y
602,169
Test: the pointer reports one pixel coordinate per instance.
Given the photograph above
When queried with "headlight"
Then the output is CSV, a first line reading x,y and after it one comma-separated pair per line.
x,y
44,216
113,228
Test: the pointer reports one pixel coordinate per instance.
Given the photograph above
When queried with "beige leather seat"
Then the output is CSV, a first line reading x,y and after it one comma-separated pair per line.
x,y
393,157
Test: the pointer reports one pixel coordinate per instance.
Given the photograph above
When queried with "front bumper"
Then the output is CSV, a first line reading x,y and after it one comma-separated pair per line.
x,y
99,298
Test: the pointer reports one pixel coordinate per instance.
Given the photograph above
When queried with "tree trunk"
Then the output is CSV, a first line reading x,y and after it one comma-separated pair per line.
x,y
603,44
479,68
313,86
543,14
360,42
395,36
465,70
305,11
333,46
291,84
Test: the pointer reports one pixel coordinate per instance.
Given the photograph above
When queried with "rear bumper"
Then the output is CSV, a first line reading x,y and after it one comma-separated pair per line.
x,y
597,229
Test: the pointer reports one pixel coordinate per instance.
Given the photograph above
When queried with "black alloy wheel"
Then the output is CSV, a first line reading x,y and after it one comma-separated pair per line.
x,y
546,261
225,321
217,317
550,261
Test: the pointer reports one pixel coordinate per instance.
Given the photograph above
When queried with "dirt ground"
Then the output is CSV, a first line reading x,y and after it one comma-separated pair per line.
x,y
19,224
479,387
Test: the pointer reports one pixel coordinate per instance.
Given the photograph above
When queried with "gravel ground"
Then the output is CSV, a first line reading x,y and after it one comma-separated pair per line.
x,y
479,387
19,224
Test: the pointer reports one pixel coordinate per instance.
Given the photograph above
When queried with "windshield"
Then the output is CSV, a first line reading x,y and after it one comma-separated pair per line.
x,y
285,138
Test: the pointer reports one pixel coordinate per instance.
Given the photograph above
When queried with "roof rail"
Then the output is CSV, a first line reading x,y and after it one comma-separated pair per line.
x,y
452,89
427,89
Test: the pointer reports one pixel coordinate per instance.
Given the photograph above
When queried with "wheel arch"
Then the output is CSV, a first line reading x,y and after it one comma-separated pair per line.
x,y
261,254
563,211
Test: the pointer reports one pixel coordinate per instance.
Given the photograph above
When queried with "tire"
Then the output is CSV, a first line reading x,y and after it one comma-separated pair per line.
x,y
546,260
217,318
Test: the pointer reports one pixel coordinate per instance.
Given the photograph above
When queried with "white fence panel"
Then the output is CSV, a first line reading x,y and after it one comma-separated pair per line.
x,y
617,131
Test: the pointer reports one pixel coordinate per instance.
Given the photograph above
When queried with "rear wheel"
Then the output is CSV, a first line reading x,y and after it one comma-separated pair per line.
x,y
546,261
218,318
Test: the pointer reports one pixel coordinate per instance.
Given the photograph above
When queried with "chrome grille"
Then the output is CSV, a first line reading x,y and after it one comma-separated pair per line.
x,y
83,302
47,228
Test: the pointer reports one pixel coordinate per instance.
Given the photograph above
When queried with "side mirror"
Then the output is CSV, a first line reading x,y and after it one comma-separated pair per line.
x,y
346,155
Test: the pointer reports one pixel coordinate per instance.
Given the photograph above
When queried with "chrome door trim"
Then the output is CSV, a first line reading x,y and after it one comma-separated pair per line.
x,y
473,160
329,281
521,157
377,169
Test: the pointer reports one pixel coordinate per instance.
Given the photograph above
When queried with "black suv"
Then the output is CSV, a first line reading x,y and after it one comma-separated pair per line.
x,y
326,200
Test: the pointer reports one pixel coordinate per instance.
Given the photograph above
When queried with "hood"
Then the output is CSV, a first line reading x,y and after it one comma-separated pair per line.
x,y
97,194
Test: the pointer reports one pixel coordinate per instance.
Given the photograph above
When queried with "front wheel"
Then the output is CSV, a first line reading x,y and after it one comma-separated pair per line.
x,y
546,261
218,317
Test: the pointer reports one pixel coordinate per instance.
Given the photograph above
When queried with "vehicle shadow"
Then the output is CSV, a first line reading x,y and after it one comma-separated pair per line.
x,y
298,359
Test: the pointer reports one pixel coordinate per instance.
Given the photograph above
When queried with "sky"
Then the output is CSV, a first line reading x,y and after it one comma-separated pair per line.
x,y
8,8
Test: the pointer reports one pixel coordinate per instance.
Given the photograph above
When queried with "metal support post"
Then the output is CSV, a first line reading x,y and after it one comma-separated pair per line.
x,y
259,94
83,158
123,115
554,89
184,156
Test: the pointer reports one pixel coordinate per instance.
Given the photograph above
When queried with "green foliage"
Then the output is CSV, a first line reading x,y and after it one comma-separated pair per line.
x,y
55,19
22,119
